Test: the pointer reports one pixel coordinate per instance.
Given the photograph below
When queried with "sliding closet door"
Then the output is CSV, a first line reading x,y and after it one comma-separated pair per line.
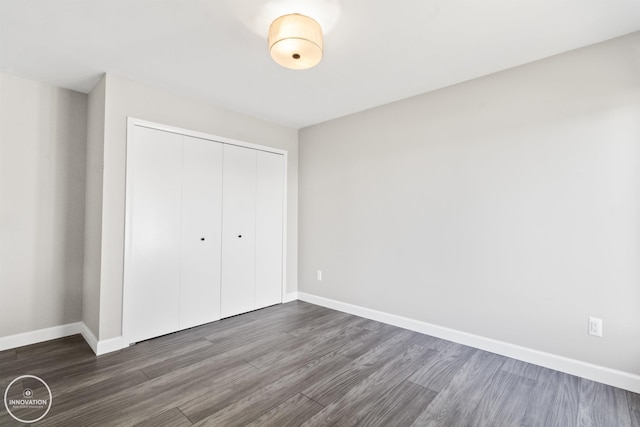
x,y
238,230
269,217
201,231
154,190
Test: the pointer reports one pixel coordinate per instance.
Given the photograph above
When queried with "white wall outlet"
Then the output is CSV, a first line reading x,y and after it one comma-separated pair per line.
x,y
595,326
319,275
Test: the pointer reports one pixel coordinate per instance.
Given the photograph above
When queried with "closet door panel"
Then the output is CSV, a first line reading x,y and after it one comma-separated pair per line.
x,y
153,274
269,228
238,230
201,232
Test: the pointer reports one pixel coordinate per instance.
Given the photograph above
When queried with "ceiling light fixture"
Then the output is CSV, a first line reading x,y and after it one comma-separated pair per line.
x,y
295,41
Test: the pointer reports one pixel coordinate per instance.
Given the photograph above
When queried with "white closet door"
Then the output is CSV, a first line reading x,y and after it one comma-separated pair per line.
x,y
201,232
238,230
269,215
153,274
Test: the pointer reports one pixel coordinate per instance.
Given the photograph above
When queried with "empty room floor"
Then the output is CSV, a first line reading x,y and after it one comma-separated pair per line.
x,y
300,364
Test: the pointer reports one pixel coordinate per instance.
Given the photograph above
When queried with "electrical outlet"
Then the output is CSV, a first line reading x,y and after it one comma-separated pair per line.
x,y
595,326
319,275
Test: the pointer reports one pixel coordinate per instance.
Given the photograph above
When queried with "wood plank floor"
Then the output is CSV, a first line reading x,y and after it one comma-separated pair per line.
x,y
299,364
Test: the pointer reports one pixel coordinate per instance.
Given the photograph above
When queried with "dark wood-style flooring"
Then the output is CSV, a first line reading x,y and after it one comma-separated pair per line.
x,y
299,364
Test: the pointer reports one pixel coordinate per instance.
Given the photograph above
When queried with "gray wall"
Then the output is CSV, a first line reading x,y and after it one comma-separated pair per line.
x,y
42,168
127,98
507,206
93,208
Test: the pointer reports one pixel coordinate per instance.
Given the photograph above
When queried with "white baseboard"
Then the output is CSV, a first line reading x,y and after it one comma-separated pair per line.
x,y
89,337
620,379
40,335
104,346
291,296
110,345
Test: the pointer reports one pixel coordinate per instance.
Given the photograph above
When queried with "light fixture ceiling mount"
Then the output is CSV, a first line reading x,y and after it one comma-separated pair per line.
x,y
295,41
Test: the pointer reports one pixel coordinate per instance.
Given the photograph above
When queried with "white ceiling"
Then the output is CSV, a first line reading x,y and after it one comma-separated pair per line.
x,y
376,51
